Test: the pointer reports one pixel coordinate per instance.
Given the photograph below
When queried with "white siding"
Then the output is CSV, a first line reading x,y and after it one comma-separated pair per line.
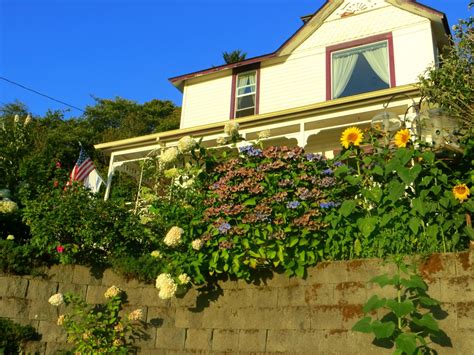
x,y
206,101
301,78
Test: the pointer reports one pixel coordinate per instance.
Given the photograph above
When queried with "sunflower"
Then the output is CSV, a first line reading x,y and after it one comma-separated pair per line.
x,y
351,135
402,137
461,192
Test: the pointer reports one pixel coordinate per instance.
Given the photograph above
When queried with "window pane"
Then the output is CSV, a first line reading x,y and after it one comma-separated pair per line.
x,y
246,90
245,102
361,69
246,112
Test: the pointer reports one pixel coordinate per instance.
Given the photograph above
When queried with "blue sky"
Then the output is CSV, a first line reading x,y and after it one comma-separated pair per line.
x,y
75,49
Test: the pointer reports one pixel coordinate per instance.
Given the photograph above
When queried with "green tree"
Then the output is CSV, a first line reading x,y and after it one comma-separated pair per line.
x,y
451,86
234,56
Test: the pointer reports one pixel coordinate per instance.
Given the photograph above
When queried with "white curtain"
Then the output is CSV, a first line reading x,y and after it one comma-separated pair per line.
x,y
246,83
342,69
378,61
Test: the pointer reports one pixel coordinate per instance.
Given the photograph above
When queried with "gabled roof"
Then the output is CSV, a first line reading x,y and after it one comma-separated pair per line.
x,y
312,22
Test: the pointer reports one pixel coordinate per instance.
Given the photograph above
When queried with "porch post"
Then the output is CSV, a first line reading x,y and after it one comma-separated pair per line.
x,y
110,175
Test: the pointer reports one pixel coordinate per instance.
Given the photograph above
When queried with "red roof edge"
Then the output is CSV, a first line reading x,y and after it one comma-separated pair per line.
x,y
222,67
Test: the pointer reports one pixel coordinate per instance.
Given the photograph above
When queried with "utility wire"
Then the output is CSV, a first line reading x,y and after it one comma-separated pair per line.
x,y
41,94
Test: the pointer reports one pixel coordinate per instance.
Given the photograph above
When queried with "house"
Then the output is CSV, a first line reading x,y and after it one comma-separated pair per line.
x,y
348,62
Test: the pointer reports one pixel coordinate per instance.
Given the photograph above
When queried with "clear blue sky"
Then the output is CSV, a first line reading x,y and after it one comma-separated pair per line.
x,y
72,49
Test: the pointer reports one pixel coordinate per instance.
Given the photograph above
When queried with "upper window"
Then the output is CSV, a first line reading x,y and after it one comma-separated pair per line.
x,y
246,94
360,67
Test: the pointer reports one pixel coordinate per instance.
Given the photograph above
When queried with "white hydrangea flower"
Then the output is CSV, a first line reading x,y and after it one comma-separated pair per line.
x,y
156,254
186,144
10,237
16,119
264,134
7,206
173,237
169,155
136,315
166,285
112,291
61,319
56,299
184,279
197,244
231,128
118,342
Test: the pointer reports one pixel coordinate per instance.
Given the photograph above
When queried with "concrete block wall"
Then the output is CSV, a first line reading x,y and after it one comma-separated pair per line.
x,y
273,315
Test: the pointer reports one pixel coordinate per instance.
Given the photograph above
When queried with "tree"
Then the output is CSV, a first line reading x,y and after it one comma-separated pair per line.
x,y
235,56
451,86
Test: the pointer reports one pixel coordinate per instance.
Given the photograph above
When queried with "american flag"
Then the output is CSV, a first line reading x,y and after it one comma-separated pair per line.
x,y
84,166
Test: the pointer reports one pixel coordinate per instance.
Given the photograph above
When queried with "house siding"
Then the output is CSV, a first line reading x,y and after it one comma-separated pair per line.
x,y
300,79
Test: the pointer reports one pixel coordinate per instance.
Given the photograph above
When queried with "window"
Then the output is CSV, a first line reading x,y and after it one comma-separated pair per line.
x,y
245,91
360,66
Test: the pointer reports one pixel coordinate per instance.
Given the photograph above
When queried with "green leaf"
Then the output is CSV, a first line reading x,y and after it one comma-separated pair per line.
x,y
382,329
428,301
419,206
415,281
377,170
469,232
409,175
414,224
401,308
363,325
357,247
353,180
428,156
396,190
367,225
427,321
374,303
250,202
406,342
381,280
404,155
347,207
432,231
299,271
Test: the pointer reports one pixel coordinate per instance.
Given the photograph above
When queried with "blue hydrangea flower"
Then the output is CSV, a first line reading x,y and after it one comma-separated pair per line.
x,y
327,172
327,204
293,204
313,157
224,228
338,163
251,151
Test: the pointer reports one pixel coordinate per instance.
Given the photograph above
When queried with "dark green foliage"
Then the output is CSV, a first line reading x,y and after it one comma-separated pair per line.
x,y
74,226
12,335
21,259
234,56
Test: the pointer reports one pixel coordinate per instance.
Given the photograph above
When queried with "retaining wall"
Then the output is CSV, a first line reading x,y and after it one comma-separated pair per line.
x,y
272,315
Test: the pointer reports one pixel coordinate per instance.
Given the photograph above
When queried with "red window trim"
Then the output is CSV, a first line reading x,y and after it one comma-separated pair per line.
x,y
360,42
237,71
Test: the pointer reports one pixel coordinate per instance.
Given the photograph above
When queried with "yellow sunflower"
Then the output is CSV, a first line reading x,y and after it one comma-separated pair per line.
x,y
351,135
461,192
402,137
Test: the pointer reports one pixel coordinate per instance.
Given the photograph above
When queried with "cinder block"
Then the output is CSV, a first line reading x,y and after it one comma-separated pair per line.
x,y
277,280
273,318
11,286
83,276
185,318
327,272
34,347
252,340
363,270
459,288
356,341
51,332
55,348
326,317
291,296
41,289
225,340
60,273
198,339
42,310
320,294
186,300
95,294
170,338
437,266
465,315
14,308
350,293
110,277
351,313
296,341
162,317
464,263
79,290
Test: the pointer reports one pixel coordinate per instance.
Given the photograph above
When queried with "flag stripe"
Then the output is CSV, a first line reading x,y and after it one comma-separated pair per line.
x,y
84,166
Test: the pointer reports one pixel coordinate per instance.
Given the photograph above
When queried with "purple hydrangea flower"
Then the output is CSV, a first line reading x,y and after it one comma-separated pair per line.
x,y
224,228
313,157
293,204
327,172
338,163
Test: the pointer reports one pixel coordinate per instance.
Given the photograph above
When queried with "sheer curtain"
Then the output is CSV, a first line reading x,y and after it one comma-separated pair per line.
x,y
342,69
378,61
246,83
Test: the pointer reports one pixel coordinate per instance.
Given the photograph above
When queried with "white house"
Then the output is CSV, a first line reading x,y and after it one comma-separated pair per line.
x,y
348,60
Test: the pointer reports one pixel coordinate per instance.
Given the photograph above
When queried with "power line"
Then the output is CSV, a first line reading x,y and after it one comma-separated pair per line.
x,y
41,94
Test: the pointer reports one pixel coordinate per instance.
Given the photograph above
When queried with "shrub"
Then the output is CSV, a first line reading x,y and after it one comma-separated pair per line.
x,y
13,335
